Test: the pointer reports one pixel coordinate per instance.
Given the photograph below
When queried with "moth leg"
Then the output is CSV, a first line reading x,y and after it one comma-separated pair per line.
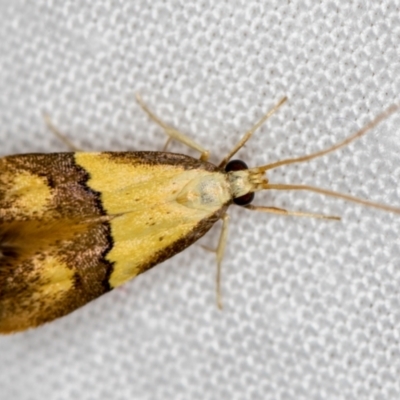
x,y
220,250
220,255
172,133
282,211
58,134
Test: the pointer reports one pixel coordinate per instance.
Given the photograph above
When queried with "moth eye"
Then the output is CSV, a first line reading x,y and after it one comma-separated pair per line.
x,y
238,165
235,165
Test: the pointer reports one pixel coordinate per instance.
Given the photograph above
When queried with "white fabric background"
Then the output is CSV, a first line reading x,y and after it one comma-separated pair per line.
x,y
312,308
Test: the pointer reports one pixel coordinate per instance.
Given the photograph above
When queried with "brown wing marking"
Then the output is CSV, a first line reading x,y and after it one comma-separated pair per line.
x,y
45,186
52,260
50,268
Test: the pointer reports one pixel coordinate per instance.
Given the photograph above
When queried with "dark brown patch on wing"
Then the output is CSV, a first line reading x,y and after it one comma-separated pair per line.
x,y
162,158
71,196
22,304
74,230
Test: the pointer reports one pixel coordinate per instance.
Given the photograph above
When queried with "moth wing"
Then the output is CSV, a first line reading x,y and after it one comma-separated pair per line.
x,y
75,225
53,238
48,269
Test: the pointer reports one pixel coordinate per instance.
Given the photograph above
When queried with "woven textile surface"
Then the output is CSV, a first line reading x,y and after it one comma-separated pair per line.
x,y
311,307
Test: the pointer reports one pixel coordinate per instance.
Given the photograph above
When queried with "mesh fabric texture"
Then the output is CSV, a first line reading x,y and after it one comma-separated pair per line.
x,y
311,307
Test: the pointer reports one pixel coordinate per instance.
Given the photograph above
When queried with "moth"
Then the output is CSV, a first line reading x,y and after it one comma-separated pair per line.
x,y
76,225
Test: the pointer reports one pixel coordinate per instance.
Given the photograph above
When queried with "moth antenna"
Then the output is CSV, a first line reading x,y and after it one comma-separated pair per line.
x,y
385,114
250,132
282,186
58,134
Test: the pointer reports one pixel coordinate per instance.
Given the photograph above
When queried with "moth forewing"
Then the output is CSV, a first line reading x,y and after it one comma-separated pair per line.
x,y
105,218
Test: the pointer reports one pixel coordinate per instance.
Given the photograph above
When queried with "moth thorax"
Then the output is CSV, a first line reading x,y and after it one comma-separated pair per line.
x,y
246,181
206,192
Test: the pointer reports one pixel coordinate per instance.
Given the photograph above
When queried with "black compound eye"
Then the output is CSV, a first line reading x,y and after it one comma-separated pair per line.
x,y
235,165
238,165
245,199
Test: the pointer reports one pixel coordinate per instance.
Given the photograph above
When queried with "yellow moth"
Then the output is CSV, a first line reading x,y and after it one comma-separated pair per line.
x,y
75,225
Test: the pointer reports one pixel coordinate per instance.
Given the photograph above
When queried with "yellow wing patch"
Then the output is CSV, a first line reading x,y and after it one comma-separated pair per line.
x,y
138,238
128,186
56,277
39,267
143,200
46,284
28,193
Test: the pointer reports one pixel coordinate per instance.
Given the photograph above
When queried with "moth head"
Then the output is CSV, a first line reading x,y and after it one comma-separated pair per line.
x,y
244,181
240,179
